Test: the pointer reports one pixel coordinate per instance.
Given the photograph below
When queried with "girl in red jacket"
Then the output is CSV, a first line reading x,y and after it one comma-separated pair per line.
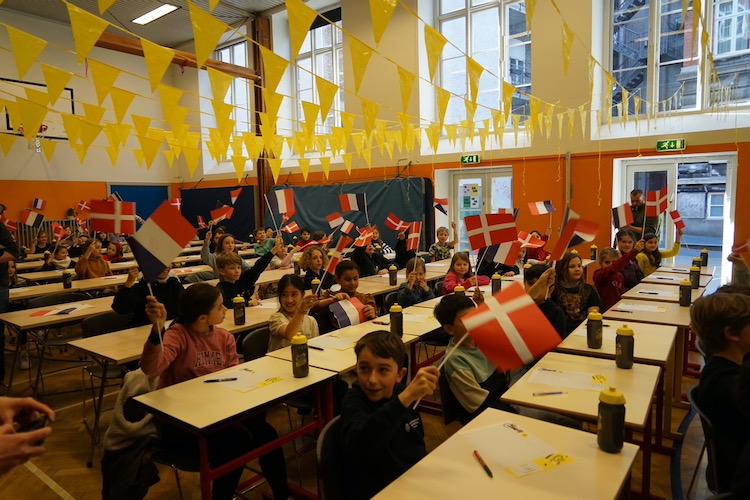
x,y
609,278
460,273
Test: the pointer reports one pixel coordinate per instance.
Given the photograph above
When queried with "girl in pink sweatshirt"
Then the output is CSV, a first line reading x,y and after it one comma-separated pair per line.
x,y
460,273
195,345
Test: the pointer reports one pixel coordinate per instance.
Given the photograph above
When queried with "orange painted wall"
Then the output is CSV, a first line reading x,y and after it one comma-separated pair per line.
x,y
60,196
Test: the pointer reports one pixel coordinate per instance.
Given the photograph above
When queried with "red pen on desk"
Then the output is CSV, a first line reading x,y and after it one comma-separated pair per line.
x,y
482,463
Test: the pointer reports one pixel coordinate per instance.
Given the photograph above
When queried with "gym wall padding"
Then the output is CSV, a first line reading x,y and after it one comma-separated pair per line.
x,y
409,199
201,201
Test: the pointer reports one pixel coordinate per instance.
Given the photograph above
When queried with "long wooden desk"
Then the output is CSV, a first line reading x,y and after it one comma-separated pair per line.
x,y
673,279
660,293
638,384
201,408
705,271
116,267
450,471
29,319
28,292
658,313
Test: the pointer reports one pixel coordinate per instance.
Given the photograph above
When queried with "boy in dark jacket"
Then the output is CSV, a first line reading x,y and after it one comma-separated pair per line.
x,y
553,312
233,281
131,296
377,416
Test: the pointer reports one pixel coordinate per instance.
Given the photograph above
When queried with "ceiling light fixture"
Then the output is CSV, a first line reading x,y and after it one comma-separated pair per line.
x,y
155,14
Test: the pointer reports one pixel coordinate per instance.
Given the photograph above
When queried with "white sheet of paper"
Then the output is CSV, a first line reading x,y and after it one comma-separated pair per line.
x,y
331,341
434,264
507,447
264,305
247,380
628,306
608,333
416,318
656,293
570,380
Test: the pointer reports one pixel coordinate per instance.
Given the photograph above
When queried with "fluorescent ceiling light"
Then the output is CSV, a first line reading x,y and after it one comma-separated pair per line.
x,y
155,14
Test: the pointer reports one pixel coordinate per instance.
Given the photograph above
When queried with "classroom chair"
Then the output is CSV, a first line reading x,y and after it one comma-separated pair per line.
x,y
439,288
390,299
330,460
177,462
100,324
42,337
451,407
709,446
255,343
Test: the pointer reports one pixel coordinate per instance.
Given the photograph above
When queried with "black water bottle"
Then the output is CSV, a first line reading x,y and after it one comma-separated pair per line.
x,y
497,283
695,277
594,330
610,428
67,279
300,359
594,252
392,275
624,347
397,320
704,257
296,267
315,286
686,293
238,307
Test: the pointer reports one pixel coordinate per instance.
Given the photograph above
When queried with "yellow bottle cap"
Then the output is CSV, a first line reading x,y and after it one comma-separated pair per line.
x,y
395,308
612,396
625,331
393,268
459,288
527,266
574,251
238,300
496,276
315,281
595,316
695,268
299,339
593,246
685,283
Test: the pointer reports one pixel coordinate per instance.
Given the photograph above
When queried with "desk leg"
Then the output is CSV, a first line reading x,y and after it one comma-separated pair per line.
x,y
646,449
205,469
679,360
98,402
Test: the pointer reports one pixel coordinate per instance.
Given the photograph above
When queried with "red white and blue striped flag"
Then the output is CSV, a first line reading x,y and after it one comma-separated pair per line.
x,y
622,216
505,253
334,220
442,205
352,202
541,207
31,218
160,239
282,202
38,204
347,227
576,232
347,312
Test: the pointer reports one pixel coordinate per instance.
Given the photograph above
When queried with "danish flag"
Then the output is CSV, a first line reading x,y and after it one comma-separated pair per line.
x,y
490,229
177,203
529,241
113,216
82,206
394,223
291,228
415,232
677,219
657,202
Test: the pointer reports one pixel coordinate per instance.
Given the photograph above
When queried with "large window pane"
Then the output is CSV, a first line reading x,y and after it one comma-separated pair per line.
x,y
455,31
678,61
731,51
448,6
630,32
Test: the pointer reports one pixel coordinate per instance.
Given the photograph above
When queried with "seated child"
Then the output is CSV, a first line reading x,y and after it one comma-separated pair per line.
x,y
292,317
381,246
347,277
416,289
472,379
194,345
574,296
402,254
369,261
304,236
722,323
609,278
131,297
544,276
537,255
233,281
91,264
442,248
313,262
650,257
263,244
283,258
224,244
114,253
59,260
381,435
79,246
632,273
460,273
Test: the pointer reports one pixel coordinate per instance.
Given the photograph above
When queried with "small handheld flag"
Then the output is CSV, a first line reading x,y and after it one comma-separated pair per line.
x,y
38,204
234,195
677,219
490,229
657,202
347,227
113,216
83,206
415,233
282,202
334,220
10,225
364,238
529,241
442,205
576,232
221,213
512,211
31,218
393,223
348,312
60,232
541,207
177,203
337,253
622,216
352,202
291,228
201,223
510,330
160,239
505,253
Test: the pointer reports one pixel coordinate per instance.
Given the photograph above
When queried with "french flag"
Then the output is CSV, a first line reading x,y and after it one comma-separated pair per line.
x,y
541,207
234,195
282,202
442,205
677,219
221,213
505,253
348,312
160,239
38,204
622,216
415,232
291,228
347,227
335,220
352,202
511,211
576,232
31,218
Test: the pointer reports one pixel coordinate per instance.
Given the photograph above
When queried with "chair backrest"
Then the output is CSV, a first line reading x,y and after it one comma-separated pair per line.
x,y
255,343
439,288
390,299
712,477
452,409
106,322
56,299
330,460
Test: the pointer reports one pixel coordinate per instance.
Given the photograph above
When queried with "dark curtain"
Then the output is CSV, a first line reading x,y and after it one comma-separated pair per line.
x,y
201,201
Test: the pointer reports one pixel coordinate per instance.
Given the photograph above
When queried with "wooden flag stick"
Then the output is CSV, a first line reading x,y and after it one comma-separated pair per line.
x,y
445,358
367,217
265,197
159,325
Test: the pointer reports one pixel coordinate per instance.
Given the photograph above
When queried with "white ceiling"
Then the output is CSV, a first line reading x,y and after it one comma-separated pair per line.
x,y
170,30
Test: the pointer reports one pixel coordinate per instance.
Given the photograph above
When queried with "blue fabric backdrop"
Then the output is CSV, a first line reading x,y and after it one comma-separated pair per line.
x,y
201,201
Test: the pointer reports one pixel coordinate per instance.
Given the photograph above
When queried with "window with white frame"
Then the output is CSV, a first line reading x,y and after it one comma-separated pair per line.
x,y
496,34
239,92
656,55
322,54
715,206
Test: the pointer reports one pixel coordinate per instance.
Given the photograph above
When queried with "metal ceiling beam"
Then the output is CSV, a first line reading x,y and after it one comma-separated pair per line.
x,y
181,58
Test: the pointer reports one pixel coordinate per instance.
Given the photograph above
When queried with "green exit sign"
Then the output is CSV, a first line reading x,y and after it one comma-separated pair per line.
x,y
469,159
671,145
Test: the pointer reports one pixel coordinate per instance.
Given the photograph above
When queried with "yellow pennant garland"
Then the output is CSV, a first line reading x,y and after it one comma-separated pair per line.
x,y
114,154
326,95
406,81
381,12
220,83
325,165
347,162
360,54
93,113
87,28
104,6
26,49
275,165
508,93
239,161
433,136
304,166
443,98
207,31
6,143
158,59
212,4
274,67
48,148
31,117
56,80
310,110
301,18
568,37
434,44
121,101
370,111
192,157
104,77
474,70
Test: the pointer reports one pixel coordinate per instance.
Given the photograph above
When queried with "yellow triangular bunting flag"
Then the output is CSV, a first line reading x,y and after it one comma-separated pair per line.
x,y
381,12
274,67
87,28
347,122
326,95
32,115
48,148
451,131
141,124
347,162
508,92
275,166
114,154
89,132
72,126
158,59
121,101
406,81
239,161
104,77
304,163
81,151
360,54
433,136
149,147
530,10
104,6
192,157
474,70
6,143
56,80
443,98
41,98
434,43
568,36
93,113
26,49
212,4
325,165
207,31
370,111
220,83
310,111
273,103
301,18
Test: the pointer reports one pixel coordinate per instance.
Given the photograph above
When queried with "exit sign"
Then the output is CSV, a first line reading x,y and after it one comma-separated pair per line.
x,y
671,145
469,159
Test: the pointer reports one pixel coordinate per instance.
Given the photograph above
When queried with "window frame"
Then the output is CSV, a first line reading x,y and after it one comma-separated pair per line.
x,y
230,98
710,205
